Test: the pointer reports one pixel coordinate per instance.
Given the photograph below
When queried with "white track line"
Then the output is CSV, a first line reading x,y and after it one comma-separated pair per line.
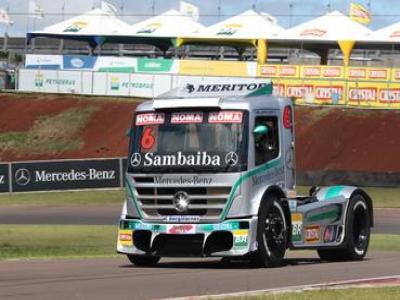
x,y
299,288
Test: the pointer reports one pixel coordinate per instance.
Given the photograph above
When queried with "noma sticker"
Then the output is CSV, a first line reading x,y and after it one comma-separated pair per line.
x,y
187,117
225,117
150,119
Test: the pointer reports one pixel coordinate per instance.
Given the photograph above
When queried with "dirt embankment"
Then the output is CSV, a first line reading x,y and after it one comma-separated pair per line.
x,y
326,138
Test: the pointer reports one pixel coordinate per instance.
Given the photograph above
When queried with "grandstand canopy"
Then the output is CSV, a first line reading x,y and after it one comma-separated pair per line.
x,y
243,29
389,34
160,31
91,27
330,30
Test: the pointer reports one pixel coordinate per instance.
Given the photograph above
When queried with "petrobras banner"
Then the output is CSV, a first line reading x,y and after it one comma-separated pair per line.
x,y
136,85
55,81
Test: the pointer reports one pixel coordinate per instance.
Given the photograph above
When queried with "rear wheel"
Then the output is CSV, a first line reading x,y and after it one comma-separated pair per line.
x,y
272,234
358,230
143,261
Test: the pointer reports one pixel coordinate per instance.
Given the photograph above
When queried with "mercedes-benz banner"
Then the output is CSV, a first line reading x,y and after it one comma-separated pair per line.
x,y
65,175
4,180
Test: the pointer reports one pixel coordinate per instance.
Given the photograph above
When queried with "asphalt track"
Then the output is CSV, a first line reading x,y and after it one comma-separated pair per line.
x,y
386,220
114,278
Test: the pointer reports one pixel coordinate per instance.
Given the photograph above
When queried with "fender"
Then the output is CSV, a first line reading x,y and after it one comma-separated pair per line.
x,y
327,193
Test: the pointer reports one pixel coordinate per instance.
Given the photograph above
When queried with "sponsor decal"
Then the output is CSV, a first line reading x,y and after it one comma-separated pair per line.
x,y
313,32
269,70
182,180
182,219
149,28
328,92
187,117
389,95
297,227
181,229
327,213
332,72
299,91
292,205
125,237
76,26
240,238
288,71
225,117
377,73
312,71
395,34
151,159
363,94
268,175
150,119
357,73
279,89
229,29
312,234
330,233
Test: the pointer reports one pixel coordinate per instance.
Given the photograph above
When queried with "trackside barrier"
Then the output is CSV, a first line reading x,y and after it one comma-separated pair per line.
x,y
108,173
62,175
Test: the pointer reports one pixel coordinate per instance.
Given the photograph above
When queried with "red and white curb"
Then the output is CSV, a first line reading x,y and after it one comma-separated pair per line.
x,y
374,282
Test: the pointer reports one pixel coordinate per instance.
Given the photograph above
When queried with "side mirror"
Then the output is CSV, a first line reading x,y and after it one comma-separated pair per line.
x,y
260,130
128,132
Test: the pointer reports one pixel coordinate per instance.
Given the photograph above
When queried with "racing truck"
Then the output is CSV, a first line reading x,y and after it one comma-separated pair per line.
x,y
213,175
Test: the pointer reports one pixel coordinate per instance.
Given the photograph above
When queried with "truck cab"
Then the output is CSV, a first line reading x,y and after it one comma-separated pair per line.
x,y
215,176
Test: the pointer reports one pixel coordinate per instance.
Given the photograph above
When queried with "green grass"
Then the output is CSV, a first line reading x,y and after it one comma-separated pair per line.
x,y
381,293
63,198
384,242
381,197
52,241
50,134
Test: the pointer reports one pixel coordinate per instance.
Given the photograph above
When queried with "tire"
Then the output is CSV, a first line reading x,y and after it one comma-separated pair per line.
x,y
357,235
142,260
272,234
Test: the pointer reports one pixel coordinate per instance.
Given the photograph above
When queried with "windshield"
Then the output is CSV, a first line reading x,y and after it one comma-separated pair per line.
x,y
189,142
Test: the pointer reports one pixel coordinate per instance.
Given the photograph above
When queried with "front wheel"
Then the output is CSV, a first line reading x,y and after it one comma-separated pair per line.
x,y
143,261
358,230
272,233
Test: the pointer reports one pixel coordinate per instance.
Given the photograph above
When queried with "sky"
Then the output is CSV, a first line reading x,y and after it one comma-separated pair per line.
x,y
288,12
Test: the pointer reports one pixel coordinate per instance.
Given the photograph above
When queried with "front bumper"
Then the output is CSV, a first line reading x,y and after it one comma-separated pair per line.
x,y
229,238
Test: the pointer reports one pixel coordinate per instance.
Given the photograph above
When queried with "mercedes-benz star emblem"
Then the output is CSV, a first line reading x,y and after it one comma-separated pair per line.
x,y
231,159
22,177
181,201
136,158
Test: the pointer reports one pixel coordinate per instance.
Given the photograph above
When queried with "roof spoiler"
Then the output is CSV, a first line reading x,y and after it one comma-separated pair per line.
x,y
220,87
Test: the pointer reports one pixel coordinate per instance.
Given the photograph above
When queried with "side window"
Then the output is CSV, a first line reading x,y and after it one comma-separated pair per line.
x,y
266,145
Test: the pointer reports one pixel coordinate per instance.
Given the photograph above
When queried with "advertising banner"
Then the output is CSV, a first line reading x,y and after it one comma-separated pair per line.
x,y
65,175
4,179
157,65
51,81
213,68
44,62
80,62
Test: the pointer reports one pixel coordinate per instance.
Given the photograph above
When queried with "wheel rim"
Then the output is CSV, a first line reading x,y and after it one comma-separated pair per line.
x,y
360,228
275,229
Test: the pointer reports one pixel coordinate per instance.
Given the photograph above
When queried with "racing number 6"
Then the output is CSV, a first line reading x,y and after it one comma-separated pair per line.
x,y
148,139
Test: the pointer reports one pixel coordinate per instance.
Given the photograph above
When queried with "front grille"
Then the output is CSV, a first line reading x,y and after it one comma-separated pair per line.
x,y
157,202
